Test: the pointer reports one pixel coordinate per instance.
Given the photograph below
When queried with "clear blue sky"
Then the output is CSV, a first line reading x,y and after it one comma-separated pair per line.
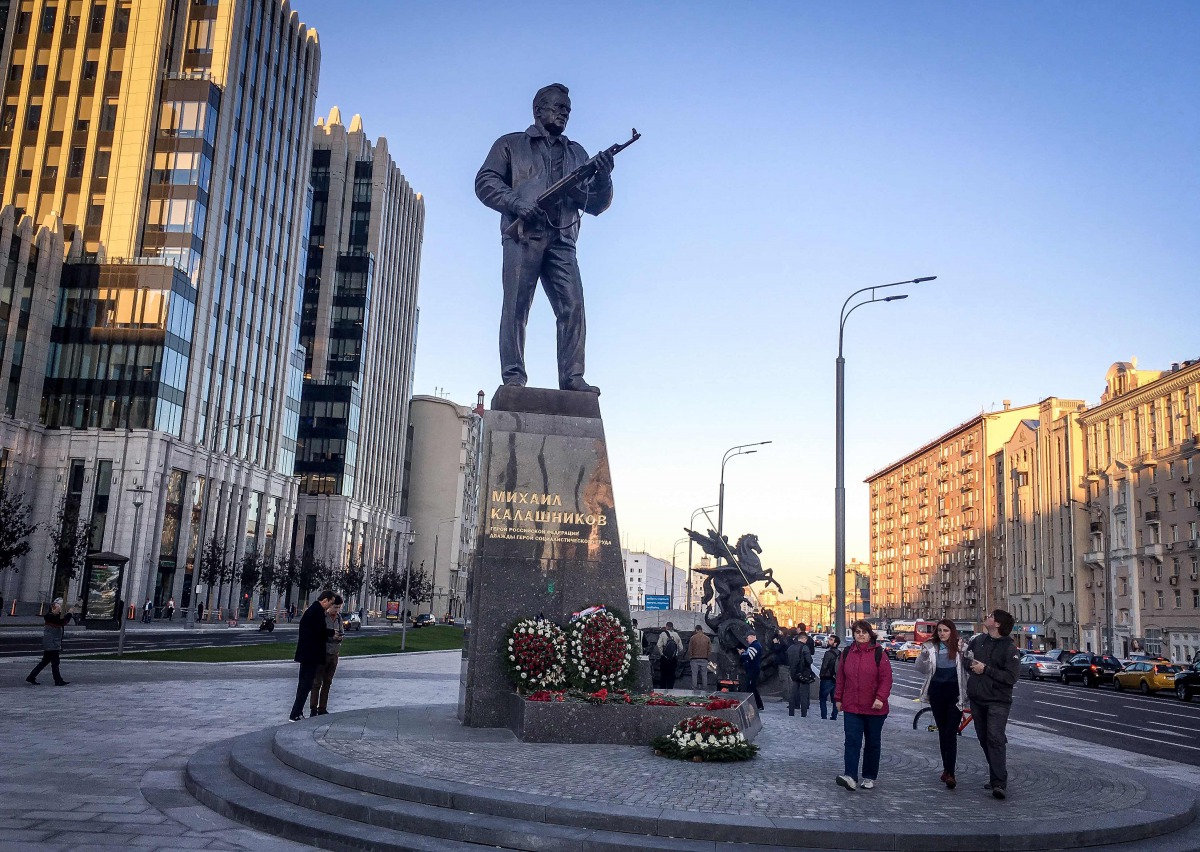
x,y
1041,159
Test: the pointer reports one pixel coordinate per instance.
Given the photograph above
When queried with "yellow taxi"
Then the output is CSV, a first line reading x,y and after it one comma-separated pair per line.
x,y
908,652
1147,677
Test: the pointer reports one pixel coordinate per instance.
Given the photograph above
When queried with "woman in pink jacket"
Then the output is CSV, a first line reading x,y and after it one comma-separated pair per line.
x,y
864,682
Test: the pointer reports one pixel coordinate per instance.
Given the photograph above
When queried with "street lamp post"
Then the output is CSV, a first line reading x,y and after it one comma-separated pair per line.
x,y
691,562
839,488
412,538
739,450
139,497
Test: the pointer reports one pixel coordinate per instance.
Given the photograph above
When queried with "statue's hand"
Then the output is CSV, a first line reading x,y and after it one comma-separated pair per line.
x,y
604,164
527,211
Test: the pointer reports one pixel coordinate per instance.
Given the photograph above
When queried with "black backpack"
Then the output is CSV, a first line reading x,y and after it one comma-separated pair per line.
x,y
670,649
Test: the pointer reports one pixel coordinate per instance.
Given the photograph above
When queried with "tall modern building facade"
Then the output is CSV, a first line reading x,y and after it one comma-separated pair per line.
x,y
164,148
358,327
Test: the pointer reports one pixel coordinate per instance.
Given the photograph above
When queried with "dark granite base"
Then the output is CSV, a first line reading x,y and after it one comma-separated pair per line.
x,y
559,403
590,724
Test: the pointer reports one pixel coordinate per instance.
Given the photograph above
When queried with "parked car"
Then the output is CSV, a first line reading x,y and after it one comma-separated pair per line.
x,y
889,647
1147,677
909,651
351,621
1061,655
1187,681
1090,669
1038,666
425,619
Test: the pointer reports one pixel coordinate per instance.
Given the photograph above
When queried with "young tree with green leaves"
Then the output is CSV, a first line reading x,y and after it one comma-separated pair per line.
x,y
248,577
349,581
214,565
15,529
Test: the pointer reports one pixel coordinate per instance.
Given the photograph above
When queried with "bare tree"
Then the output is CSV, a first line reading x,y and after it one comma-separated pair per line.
x,y
70,540
15,529
214,565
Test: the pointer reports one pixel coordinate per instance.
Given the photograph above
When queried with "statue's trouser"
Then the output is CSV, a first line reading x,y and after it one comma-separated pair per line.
x,y
554,262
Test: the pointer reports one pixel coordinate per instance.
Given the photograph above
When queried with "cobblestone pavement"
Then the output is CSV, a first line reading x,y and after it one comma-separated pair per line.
x,y
792,775
98,764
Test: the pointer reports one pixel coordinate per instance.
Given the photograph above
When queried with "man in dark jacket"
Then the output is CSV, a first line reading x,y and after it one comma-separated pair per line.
x,y
829,664
52,638
752,656
310,648
800,660
994,663
519,168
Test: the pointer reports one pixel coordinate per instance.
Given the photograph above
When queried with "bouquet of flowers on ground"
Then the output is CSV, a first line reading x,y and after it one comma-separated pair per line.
x,y
534,653
703,738
600,651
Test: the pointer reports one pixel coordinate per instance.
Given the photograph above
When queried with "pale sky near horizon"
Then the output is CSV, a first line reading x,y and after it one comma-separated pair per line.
x,y
1040,159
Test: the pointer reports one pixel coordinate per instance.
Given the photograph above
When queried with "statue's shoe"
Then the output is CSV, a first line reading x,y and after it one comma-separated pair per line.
x,y
579,385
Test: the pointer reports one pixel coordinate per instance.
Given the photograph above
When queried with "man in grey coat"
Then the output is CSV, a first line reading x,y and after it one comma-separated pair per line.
x,y
52,637
800,660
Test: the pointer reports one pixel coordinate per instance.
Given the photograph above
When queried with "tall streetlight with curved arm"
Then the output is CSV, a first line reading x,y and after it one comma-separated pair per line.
x,y
692,525
674,575
739,450
839,489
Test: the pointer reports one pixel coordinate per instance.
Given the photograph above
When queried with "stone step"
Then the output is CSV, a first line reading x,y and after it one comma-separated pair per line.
x,y
241,779
296,747
285,782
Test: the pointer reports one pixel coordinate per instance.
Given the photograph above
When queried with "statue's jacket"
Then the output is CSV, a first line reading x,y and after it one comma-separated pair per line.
x,y
518,167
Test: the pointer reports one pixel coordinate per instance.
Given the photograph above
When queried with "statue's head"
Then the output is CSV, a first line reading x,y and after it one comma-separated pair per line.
x,y
552,108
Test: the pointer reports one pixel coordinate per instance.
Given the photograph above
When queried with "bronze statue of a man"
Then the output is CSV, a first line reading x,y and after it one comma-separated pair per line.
x,y
520,168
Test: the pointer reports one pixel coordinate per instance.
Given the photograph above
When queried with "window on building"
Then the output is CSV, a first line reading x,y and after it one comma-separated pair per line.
x,y
33,117
96,23
48,16
90,69
1159,598
1178,599
75,163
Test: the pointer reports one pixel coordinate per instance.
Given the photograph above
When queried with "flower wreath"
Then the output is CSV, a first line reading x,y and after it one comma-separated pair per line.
x,y
704,738
600,651
534,654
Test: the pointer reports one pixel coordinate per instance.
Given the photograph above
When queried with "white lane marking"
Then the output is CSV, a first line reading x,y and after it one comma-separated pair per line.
x,y
1080,709
1123,734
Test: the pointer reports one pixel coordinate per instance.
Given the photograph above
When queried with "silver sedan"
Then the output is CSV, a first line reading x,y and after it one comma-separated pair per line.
x,y
1036,667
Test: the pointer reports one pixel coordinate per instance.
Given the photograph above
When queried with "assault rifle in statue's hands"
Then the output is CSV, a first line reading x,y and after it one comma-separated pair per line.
x,y
550,199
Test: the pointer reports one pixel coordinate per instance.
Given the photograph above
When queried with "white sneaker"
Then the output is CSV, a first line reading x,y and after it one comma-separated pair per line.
x,y
846,781
868,784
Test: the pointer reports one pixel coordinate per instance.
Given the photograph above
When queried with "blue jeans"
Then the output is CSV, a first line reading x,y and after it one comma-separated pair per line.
x,y
826,694
859,726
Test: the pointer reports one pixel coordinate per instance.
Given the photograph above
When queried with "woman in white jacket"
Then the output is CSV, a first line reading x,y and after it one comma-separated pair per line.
x,y
945,690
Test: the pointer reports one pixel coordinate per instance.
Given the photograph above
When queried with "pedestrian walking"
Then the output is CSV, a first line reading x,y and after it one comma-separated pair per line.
x,y
200,610
864,682
945,691
170,609
994,663
829,667
148,612
799,666
318,699
291,612
310,649
751,665
669,647
52,639
699,650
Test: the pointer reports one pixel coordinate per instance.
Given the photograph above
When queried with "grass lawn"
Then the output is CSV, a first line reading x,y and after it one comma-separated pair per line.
x,y
439,637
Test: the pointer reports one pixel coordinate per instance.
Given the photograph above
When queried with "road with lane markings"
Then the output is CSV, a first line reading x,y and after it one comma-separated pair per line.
x,y
1159,725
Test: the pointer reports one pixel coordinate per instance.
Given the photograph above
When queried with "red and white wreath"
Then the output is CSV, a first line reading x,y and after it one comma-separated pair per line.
x,y
534,654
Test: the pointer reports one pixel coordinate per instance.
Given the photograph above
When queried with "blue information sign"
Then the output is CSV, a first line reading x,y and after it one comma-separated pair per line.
x,y
658,601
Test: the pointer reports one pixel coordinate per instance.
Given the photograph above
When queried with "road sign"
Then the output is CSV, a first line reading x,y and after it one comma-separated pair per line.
x,y
658,602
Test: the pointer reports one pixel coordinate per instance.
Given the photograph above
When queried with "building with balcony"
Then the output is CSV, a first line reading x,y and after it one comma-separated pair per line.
x,y
1041,523
1142,456
931,516
164,149
858,591
358,327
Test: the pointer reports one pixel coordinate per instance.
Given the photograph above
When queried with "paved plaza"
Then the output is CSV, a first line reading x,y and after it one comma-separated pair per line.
x,y
99,764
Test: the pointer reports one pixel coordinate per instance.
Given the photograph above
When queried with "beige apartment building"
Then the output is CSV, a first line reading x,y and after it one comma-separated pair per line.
x,y
163,149
858,591
931,517
1141,572
1041,523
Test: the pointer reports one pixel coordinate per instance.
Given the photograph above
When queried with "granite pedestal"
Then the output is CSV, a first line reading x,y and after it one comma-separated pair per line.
x,y
548,544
